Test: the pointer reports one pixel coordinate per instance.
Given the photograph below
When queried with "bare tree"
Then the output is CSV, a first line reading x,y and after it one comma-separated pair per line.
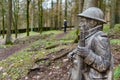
x,y
8,35
112,13
60,14
52,20
27,16
40,15
66,2
81,2
33,15
117,11
56,15
3,18
102,5
78,9
15,16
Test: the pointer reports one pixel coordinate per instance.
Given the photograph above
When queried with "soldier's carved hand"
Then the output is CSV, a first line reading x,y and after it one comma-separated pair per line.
x,y
82,51
70,55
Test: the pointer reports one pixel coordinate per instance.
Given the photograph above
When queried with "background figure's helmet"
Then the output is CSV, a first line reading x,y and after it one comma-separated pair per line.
x,y
93,13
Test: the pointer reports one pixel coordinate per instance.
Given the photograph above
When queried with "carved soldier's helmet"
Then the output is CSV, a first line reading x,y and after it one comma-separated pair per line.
x,y
93,13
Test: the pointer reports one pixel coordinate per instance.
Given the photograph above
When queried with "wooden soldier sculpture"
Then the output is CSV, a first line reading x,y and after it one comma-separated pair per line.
x,y
92,59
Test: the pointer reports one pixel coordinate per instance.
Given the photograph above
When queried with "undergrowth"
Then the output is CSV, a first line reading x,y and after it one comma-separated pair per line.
x,y
17,65
115,41
117,73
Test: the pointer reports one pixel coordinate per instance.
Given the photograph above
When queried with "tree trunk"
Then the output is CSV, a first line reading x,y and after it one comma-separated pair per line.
x,y
15,16
3,19
3,24
27,16
102,5
58,6
90,3
8,35
33,17
78,10
40,16
112,13
117,11
66,9
60,21
81,2
56,15
52,20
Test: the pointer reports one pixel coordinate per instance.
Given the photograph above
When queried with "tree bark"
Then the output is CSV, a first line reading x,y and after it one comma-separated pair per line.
x,y
33,17
117,11
81,2
27,16
66,9
112,13
58,10
15,16
3,19
79,8
56,15
60,14
52,20
8,35
40,16
102,5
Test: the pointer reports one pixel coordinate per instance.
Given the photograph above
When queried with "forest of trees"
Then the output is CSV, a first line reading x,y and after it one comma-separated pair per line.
x,y
29,14
35,46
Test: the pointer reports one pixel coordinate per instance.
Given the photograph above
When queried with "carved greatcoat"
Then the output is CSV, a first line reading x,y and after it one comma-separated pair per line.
x,y
98,64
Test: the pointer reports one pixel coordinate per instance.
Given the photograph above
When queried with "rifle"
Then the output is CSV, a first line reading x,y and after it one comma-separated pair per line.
x,y
77,67
81,43
84,35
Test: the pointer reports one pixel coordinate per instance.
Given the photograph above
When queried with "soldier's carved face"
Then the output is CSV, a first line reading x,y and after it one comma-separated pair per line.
x,y
86,23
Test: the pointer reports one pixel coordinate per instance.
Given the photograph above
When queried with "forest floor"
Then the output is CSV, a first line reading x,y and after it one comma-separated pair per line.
x,y
58,67
54,65
5,52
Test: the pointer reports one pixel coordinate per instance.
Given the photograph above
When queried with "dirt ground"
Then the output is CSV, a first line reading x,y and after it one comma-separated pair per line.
x,y
54,66
5,52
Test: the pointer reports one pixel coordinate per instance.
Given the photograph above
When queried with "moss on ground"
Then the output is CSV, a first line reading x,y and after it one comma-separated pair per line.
x,y
117,73
17,65
115,41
